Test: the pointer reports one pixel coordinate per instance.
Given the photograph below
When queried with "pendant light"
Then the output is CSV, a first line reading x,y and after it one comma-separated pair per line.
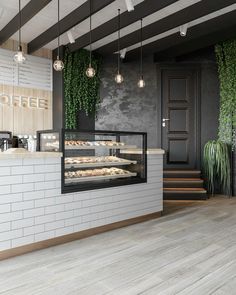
x,y
90,72
118,78
141,82
58,64
19,56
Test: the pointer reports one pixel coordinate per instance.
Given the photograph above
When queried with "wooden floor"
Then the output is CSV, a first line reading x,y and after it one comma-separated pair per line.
x,y
191,250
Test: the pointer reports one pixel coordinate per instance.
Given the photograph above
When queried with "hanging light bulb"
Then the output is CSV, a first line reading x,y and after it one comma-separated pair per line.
x,y
90,72
141,82
58,64
118,78
19,56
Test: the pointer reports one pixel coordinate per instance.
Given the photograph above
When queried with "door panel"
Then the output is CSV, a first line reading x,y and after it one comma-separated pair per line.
x,y
179,105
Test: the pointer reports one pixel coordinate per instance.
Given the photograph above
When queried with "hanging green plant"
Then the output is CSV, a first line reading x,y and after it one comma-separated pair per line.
x,y
226,60
216,161
80,92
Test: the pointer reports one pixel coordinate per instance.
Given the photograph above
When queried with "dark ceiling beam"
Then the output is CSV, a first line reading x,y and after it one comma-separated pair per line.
x,y
72,19
186,15
201,31
27,12
127,18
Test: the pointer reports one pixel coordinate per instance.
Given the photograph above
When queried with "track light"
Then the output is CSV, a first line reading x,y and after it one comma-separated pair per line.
x,y
70,37
183,30
1,12
123,53
129,5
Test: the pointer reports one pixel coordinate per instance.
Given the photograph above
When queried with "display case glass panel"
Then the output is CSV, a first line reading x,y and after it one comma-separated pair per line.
x,y
99,159
48,141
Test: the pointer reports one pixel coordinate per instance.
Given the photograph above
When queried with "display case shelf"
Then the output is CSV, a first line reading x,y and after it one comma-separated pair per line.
x,y
100,164
100,177
121,147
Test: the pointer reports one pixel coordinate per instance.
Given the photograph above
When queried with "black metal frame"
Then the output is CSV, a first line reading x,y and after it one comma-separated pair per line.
x,y
116,182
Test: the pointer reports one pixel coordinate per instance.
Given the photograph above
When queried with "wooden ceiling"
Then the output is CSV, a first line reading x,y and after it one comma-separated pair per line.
x,y
208,21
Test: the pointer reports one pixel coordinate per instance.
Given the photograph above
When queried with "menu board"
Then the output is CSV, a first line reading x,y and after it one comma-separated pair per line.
x,y
35,73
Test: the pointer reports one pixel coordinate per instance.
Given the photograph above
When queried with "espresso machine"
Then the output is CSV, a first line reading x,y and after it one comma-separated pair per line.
x,y
5,140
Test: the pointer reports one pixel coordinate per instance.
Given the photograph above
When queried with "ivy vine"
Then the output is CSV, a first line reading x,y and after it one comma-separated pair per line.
x,y
80,92
226,60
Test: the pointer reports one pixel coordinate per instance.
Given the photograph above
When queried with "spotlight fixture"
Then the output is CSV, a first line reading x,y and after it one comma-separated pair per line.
x,y
118,78
1,12
58,64
90,72
183,30
141,82
19,56
123,53
70,37
129,5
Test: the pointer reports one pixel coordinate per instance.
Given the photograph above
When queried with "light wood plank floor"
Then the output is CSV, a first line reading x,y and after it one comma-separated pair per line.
x,y
191,250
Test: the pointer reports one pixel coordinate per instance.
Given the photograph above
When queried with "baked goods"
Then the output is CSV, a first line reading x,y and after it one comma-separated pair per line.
x,y
86,160
96,172
79,143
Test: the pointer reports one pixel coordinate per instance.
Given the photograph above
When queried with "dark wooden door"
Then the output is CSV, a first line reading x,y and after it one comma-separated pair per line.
x,y
180,117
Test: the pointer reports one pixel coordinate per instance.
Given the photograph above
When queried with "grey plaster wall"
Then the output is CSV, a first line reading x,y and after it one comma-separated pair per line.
x,y
126,107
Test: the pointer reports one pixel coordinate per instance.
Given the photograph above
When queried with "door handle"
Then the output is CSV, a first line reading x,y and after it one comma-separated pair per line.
x,y
164,121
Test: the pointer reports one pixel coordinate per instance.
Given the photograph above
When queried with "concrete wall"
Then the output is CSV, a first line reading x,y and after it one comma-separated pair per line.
x,y
126,107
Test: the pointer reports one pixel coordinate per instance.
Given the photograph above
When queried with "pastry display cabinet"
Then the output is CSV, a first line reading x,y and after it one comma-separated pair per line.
x,y
97,159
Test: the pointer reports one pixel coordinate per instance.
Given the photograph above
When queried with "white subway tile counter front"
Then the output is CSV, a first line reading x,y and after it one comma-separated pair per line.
x,y
32,208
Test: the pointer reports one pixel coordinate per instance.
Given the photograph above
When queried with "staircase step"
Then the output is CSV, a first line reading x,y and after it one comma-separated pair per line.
x,y
183,182
176,193
181,173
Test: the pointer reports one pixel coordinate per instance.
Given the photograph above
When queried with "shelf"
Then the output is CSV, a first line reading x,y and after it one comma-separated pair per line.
x,y
102,177
94,147
100,164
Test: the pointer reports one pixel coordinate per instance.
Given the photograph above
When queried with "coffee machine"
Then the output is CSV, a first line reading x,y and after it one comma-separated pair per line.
x,y
5,140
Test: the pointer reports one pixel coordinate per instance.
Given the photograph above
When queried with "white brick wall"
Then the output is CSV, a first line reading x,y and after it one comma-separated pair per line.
x,y
33,209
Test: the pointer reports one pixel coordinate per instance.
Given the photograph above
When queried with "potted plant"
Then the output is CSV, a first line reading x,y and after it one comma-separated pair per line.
x,y
216,164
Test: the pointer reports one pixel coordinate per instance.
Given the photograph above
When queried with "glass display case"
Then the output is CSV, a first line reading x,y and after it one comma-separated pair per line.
x,y
97,159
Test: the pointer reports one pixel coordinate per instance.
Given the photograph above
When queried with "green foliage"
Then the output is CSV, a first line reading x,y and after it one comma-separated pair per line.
x,y
216,160
226,59
80,92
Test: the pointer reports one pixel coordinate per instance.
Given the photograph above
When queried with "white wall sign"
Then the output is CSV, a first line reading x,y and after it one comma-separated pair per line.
x,y
23,101
35,73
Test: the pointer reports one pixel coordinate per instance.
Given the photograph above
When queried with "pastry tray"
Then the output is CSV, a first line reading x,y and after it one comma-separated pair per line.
x,y
100,164
102,177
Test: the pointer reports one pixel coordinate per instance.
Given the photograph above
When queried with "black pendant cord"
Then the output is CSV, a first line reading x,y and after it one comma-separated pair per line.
x,y
118,59
90,33
58,28
19,45
141,50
